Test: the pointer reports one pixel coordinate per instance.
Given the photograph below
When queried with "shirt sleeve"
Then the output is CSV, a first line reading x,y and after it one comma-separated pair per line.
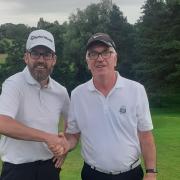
x,y
9,99
72,124
143,111
65,108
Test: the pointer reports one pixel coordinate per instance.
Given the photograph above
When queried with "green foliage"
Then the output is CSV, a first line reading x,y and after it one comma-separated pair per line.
x,y
3,58
4,45
149,51
123,34
158,46
12,31
165,100
172,2
14,60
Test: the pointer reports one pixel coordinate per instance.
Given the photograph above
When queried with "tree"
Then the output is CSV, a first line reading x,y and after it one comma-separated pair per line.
x,y
157,45
172,47
14,37
4,45
123,34
14,61
12,31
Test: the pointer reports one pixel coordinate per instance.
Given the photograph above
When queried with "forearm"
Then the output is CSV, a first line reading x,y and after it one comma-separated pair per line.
x,y
72,139
148,149
12,128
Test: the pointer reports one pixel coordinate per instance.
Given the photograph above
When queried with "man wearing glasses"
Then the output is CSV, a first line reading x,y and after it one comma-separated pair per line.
x,y
31,105
111,116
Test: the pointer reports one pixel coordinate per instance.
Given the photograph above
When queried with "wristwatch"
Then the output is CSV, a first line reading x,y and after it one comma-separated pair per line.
x,y
151,170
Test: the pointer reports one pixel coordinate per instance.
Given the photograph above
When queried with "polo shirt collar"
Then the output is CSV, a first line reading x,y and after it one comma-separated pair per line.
x,y
119,83
31,80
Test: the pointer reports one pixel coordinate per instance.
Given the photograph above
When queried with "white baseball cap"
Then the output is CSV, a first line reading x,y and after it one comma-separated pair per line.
x,y
40,38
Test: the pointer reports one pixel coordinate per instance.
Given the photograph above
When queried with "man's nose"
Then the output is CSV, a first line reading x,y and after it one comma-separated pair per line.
x,y
100,58
41,57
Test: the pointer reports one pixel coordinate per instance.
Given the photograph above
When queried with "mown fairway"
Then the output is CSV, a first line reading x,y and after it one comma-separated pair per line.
x,y
167,136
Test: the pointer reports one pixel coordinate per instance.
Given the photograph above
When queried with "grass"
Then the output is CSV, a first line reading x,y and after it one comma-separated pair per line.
x,y
2,58
167,136
71,169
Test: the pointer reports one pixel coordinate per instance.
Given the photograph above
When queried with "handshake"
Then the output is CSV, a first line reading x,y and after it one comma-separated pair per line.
x,y
59,146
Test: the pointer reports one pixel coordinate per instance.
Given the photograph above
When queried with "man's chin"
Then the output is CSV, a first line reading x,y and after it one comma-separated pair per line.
x,y
40,78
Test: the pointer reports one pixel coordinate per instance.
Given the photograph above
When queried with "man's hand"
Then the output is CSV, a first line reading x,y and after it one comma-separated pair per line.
x,y
150,176
58,161
54,143
59,146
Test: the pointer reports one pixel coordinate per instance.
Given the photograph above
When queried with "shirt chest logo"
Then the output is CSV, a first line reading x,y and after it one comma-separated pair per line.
x,y
122,110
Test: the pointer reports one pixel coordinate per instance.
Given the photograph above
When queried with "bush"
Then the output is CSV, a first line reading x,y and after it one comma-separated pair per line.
x,y
164,100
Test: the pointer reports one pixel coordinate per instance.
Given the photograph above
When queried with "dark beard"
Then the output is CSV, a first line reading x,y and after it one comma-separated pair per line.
x,y
40,75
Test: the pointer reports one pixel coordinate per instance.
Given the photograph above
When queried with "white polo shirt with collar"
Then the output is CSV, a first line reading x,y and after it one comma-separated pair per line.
x,y
109,125
23,99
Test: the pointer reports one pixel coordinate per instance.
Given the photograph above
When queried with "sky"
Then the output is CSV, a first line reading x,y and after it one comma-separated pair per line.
x,y
28,12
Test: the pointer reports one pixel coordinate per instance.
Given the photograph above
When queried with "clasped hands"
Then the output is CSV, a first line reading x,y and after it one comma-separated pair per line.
x,y
59,146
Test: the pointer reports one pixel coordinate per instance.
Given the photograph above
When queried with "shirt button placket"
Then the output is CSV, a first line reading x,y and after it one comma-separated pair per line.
x,y
106,106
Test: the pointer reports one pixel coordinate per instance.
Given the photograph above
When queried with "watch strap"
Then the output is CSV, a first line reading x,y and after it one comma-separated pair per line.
x,y
151,171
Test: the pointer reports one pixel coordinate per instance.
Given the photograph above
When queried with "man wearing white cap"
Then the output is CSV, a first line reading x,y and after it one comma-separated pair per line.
x,y
31,105
111,116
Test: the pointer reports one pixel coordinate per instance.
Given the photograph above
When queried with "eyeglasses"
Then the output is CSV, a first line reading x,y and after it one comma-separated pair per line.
x,y
94,55
46,55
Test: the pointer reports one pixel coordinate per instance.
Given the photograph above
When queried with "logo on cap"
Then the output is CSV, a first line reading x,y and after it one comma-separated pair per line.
x,y
36,37
100,37
95,36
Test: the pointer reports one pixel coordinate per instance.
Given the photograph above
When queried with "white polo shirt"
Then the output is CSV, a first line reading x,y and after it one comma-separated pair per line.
x,y
23,99
109,125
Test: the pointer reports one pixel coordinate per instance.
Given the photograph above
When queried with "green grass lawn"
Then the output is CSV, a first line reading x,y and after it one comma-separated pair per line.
x,y
167,137
71,169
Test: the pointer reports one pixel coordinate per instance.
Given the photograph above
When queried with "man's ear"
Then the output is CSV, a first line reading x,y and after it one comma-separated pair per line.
x,y
55,59
25,57
115,59
87,64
